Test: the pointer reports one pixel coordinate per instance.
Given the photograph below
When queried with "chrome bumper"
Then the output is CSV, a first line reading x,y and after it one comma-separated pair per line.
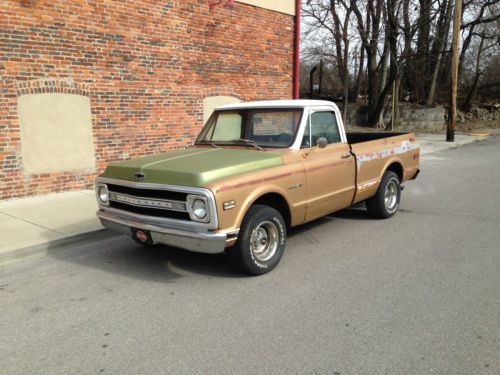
x,y
202,242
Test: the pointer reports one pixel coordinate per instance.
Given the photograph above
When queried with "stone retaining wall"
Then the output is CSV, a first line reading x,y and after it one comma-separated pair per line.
x,y
411,117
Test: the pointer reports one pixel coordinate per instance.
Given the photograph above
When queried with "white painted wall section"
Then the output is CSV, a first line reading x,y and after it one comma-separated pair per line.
x,y
283,6
212,102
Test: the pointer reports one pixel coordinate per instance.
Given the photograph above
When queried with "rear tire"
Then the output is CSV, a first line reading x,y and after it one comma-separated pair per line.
x,y
385,202
261,241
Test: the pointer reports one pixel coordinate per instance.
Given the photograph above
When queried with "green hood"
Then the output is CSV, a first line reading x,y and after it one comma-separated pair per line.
x,y
195,167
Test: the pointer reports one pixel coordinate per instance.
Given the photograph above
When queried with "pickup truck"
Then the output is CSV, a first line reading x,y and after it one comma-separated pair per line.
x,y
255,170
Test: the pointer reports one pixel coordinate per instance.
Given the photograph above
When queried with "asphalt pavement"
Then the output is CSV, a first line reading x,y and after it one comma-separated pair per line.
x,y
415,294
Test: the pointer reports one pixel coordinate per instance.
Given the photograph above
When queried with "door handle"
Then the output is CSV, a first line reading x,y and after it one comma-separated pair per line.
x,y
346,156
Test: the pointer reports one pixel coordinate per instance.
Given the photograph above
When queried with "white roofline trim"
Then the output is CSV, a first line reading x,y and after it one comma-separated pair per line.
x,y
301,103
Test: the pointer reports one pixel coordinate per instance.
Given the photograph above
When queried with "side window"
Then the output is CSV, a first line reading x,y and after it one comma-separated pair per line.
x,y
324,124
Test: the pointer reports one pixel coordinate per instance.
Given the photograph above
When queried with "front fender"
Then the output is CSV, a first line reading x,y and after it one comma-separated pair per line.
x,y
259,193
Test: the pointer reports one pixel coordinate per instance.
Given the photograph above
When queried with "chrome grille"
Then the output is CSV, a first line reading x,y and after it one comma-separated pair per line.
x,y
148,202
148,193
160,203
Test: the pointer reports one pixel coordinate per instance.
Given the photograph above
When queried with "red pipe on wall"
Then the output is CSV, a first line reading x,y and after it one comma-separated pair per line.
x,y
296,51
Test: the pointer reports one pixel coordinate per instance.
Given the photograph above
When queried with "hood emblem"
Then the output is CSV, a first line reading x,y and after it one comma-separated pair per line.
x,y
139,176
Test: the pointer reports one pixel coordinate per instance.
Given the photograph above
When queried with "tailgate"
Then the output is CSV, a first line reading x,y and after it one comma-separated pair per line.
x,y
400,153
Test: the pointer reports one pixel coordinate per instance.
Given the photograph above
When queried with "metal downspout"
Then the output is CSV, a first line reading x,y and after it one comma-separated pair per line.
x,y
296,52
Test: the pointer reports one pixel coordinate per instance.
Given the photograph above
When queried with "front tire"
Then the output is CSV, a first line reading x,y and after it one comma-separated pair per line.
x,y
261,241
385,202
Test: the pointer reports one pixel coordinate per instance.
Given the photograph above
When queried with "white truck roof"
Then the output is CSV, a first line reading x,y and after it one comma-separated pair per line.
x,y
301,103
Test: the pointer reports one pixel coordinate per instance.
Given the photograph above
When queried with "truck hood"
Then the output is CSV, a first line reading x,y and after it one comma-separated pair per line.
x,y
195,167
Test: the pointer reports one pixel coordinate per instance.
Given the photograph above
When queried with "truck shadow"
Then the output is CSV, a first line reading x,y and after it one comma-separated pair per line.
x,y
120,255
357,212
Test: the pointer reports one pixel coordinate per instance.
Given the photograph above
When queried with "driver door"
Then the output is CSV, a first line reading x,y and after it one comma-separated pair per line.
x,y
330,167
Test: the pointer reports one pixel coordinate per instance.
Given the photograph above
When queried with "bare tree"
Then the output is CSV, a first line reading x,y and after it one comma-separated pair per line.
x,y
480,12
489,40
341,36
384,46
442,34
332,20
369,28
359,73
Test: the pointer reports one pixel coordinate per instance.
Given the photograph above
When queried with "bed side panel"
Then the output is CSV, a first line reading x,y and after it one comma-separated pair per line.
x,y
374,157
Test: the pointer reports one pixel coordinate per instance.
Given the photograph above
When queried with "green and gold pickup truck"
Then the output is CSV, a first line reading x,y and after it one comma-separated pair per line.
x,y
255,170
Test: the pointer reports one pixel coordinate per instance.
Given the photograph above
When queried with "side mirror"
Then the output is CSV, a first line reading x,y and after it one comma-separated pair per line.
x,y
321,142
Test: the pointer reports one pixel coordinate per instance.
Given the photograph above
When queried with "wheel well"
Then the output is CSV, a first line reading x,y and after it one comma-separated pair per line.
x,y
277,202
398,169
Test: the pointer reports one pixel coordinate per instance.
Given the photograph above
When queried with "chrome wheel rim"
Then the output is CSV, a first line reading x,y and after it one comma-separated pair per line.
x,y
264,241
391,196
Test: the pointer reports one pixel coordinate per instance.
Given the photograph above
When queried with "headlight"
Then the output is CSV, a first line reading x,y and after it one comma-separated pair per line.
x,y
198,208
103,194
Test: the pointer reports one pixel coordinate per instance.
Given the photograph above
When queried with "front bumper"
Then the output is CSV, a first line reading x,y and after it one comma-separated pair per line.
x,y
202,242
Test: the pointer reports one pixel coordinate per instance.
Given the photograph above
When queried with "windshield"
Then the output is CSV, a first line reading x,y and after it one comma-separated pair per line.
x,y
250,127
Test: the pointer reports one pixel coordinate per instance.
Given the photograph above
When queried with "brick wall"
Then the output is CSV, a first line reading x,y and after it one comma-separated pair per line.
x,y
146,67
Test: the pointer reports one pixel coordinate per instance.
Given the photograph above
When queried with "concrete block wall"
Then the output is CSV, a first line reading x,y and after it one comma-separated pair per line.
x,y
421,118
412,117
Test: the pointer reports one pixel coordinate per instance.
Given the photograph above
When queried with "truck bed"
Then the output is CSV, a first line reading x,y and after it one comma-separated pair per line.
x,y
353,138
377,152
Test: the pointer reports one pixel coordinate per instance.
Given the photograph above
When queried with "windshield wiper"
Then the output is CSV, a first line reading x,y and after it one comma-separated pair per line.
x,y
247,141
207,142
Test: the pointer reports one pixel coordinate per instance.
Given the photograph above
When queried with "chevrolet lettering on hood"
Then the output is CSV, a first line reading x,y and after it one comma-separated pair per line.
x,y
255,170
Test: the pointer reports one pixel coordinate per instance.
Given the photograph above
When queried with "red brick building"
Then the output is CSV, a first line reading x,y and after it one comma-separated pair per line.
x,y
85,83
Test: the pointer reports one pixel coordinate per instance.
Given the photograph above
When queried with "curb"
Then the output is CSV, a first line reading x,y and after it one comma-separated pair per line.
x,y
458,144
52,246
476,134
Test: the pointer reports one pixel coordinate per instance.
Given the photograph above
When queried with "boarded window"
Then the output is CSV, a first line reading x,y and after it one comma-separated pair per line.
x,y
56,133
212,102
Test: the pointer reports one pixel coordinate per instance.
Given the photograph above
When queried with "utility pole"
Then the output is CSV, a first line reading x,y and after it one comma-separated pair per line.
x,y
452,113
394,103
